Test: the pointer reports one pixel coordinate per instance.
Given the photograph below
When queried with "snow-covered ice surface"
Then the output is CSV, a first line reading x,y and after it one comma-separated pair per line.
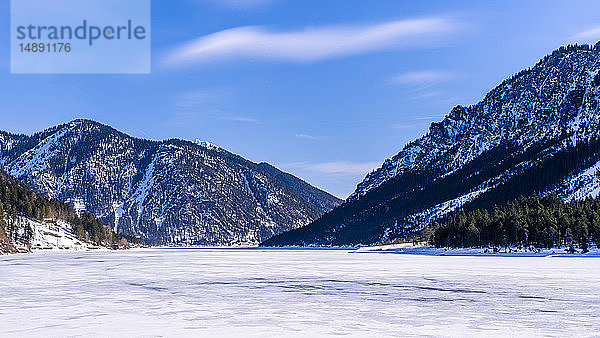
x,y
303,293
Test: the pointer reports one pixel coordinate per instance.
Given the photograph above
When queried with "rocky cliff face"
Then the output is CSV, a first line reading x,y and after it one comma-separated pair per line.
x,y
169,192
537,132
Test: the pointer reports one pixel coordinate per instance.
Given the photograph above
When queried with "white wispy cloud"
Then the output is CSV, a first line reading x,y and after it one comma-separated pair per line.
x,y
424,84
335,168
435,117
205,104
591,34
418,121
310,137
423,78
313,43
242,119
198,98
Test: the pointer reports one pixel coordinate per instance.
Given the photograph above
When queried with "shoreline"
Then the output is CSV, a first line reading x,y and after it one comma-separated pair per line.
x,y
399,249
424,250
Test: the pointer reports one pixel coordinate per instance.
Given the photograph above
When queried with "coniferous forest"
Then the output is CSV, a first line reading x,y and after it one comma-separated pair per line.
x,y
17,201
542,222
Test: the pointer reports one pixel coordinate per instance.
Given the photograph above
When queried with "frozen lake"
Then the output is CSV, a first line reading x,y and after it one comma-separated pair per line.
x,y
253,292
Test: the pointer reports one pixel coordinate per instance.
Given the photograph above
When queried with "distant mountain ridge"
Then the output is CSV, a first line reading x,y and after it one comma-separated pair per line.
x,y
167,192
537,132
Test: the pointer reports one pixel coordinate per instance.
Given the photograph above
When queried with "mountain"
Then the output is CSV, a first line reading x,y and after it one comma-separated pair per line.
x,y
165,192
535,133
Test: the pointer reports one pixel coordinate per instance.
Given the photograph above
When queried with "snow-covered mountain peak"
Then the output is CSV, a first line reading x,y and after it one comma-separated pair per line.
x,y
207,145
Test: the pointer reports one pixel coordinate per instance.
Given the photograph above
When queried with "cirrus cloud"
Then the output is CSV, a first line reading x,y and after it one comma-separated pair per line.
x,y
311,44
425,77
310,137
591,34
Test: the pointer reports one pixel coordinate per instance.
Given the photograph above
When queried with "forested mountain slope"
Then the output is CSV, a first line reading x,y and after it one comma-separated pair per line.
x,y
537,132
166,192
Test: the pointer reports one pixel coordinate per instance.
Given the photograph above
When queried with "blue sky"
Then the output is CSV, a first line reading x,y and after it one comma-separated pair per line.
x,y
325,90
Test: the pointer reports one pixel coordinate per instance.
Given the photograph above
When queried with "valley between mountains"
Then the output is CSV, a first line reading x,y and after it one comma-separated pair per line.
x,y
535,134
